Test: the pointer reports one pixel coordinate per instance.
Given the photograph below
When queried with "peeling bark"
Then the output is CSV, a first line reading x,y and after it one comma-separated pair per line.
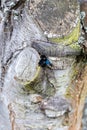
x,y
20,31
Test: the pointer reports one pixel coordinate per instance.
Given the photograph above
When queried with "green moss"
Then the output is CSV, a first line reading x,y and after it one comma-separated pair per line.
x,y
77,68
34,78
37,84
29,85
67,93
69,39
75,46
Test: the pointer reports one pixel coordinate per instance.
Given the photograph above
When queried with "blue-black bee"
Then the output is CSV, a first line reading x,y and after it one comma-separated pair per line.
x,y
44,62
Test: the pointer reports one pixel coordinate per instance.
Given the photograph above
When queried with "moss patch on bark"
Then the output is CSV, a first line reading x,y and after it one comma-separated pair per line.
x,y
69,39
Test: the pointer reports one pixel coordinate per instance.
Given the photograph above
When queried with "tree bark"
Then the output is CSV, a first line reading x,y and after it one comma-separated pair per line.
x,y
35,98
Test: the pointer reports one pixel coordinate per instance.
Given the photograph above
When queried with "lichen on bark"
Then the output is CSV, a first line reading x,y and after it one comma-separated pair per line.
x,y
32,94
72,37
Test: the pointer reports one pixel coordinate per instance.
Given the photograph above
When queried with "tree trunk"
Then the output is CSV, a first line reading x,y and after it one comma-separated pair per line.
x,y
33,97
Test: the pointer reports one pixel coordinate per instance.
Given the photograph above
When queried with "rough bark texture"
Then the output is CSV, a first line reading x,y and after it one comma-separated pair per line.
x,y
32,97
83,8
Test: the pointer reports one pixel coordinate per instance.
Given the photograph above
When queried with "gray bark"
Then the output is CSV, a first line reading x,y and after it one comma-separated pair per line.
x,y
35,97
